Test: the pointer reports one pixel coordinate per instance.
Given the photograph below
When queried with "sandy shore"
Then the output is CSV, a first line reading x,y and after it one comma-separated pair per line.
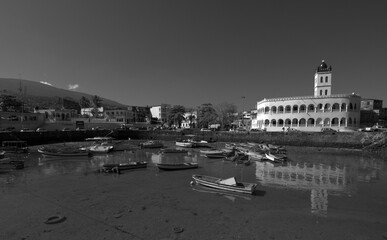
x,y
150,204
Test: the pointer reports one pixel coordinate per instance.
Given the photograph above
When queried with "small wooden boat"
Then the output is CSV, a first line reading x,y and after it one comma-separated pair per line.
x,y
274,158
177,166
151,144
215,152
67,153
229,184
231,156
255,155
215,155
173,150
101,148
183,143
117,167
14,146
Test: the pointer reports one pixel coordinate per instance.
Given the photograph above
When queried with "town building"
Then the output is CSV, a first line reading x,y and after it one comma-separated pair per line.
x,y
371,112
160,112
310,113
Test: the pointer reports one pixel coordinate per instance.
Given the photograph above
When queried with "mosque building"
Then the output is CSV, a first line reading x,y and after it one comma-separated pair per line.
x,y
340,112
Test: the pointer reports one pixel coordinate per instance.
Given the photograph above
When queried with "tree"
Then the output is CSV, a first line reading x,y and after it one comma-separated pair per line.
x,y
9,103
176,115
226,113
96,101
84,102
69,103
206,115
96,104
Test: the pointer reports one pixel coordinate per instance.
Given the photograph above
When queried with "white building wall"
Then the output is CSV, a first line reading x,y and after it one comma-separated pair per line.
x,y
340,112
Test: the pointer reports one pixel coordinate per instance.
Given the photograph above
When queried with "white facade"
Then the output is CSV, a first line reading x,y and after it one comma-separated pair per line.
x,y
310,113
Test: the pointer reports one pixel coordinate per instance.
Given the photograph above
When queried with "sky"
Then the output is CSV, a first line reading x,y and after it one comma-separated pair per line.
x,y
182,52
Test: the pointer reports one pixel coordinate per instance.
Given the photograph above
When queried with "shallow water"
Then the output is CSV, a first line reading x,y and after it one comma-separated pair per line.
x,y
331,184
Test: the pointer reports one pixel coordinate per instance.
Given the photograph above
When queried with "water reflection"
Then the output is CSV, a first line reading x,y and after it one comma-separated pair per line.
x,y
159,157
321,178
320,174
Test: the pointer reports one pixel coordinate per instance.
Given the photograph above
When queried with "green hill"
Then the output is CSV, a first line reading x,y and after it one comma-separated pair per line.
x,y
36,94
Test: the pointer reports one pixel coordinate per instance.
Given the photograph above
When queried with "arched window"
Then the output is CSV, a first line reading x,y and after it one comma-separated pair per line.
x,y
273,123
349,121
302,122
310,108
320,92
326,79
335,122
310,122
342,122
280,123
326,92
321,79
280,109
319,122
287,109
350,107
295,109
335,107
295,122
327,107
319,107
267,122
355,107
273,109
288,122
326,121
302,108
343,107
267,109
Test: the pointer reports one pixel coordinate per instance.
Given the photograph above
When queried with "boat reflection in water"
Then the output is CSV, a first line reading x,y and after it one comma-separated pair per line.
x,y
322,179
158,157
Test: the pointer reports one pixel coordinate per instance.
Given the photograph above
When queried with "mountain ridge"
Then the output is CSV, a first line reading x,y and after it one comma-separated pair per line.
x,y
38,94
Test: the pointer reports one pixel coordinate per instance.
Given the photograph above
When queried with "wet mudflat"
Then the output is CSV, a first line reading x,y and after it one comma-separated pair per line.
x,y
318,194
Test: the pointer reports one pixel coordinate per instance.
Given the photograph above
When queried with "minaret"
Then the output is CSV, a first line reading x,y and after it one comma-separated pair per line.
x,y
323,80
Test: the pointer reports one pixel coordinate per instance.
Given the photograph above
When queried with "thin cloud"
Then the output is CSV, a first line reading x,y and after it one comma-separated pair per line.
x,y
73,86
46,83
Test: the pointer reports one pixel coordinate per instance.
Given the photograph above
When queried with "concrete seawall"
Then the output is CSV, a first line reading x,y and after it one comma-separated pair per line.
x,y
353,140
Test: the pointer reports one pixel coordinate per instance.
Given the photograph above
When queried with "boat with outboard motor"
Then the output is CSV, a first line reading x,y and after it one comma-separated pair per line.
x,y
229,184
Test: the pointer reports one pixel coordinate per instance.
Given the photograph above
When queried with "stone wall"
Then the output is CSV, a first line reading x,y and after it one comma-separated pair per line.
x,y
354,140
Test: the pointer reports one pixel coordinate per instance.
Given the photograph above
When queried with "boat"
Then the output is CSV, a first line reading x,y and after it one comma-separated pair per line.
x,y
215,152
63,153
100,139
117,167
229,184
177,166
184,143
101,148
231,156
274,158
255,155
14,146
173,150
151,144
215,155
101,144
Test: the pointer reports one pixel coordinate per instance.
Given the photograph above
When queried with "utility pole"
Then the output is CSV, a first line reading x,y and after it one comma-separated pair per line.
x,y
243,110
22,100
